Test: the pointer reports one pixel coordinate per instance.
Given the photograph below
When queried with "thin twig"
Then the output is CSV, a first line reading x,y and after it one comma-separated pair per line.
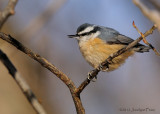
x,y
145,41
49,66
8,11
94,72
22,84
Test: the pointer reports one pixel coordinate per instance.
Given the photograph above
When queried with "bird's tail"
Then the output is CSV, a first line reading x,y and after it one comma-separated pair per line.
x,y
141,48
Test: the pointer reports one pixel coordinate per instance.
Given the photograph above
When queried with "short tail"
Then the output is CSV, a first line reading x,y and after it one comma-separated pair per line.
x,y
141,48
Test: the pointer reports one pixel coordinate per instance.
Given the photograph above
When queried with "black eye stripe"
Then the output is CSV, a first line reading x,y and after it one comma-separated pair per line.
x,y
84,34
92,31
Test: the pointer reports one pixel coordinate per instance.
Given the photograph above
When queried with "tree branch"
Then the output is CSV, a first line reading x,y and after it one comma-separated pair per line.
x,y
49,66
95,72
8,11
22,84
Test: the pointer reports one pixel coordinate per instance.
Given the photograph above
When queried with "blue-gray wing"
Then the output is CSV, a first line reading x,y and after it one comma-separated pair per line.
x,y
112,36
119,39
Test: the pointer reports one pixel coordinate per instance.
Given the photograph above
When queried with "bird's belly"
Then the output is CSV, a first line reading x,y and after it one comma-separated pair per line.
x,y
96,51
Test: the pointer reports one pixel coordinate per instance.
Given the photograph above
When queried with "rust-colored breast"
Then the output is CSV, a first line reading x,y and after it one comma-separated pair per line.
x,y
95,51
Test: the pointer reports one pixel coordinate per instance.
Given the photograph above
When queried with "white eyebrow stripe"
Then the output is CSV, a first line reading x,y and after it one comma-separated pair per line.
x,y
88,29
96,34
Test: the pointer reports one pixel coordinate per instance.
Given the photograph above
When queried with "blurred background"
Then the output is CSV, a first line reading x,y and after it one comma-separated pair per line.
x,y
43,26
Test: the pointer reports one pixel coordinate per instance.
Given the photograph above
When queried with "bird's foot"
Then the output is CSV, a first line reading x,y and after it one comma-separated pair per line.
x,y
104,67
90,77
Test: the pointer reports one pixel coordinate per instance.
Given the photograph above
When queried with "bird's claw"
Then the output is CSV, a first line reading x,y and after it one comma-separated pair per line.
x,y
103,68
90,77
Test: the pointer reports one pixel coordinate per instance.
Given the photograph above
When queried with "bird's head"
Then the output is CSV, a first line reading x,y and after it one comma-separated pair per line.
x,y
86,31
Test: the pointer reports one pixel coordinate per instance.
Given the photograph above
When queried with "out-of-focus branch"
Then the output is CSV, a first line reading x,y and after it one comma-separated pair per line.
x,y
22,84
94,72
9,10
38,58
49,66
151,9
41,20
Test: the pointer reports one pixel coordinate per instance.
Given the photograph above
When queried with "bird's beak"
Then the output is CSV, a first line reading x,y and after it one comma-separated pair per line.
x,y
73,36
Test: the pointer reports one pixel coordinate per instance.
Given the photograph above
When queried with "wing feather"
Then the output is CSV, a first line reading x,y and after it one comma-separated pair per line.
x,y
119,39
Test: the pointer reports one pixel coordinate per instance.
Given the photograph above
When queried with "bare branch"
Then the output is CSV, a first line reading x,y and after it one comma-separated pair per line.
x,y
145,41
49,66
94,72
9,10
38,58
151,9
22,84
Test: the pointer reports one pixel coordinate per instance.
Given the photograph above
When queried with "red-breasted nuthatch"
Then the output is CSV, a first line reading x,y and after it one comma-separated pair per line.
x,y
97,43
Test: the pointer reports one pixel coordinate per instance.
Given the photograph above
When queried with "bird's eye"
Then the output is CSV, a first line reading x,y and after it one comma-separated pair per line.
x,y
84,34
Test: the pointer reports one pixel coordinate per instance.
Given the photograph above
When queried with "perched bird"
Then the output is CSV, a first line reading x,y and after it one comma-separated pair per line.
x,y
97,43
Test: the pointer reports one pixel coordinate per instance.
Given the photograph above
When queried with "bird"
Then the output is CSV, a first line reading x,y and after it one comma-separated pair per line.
x,y
97,43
